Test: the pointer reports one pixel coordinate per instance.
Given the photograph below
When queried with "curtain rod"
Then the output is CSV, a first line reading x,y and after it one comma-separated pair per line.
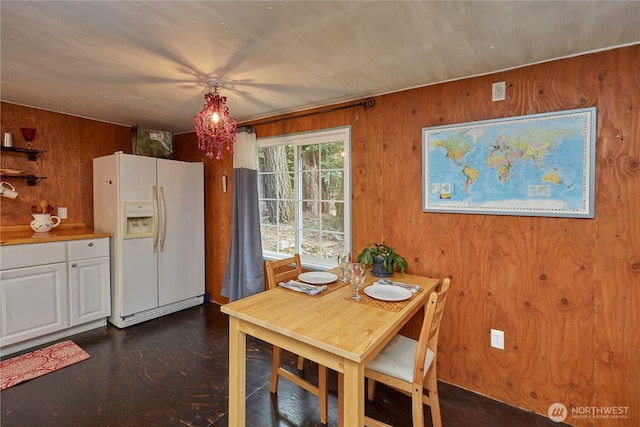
x,y
366,103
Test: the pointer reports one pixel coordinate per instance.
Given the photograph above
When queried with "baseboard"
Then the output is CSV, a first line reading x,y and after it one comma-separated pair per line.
x,y
45,339
154,313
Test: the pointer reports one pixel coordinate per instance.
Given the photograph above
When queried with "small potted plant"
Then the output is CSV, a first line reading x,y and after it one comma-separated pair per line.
x,y
383,260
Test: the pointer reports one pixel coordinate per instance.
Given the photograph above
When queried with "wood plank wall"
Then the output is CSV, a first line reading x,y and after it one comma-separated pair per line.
x,y
70,144
565,291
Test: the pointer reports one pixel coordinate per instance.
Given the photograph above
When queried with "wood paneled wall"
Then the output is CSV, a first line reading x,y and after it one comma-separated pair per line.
x,y
70,144
565,291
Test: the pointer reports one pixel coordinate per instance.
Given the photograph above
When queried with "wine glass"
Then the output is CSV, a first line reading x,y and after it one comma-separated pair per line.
x,y
28,134
343,263
357,270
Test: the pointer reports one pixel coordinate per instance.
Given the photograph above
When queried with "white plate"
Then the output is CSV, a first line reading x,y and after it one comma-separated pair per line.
x,y
318,277
387,293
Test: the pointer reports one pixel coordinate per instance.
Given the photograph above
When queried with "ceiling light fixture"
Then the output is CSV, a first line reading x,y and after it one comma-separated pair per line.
x,y
216,130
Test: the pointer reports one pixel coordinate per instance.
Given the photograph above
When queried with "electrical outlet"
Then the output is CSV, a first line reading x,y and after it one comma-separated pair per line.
x,y
62,213
497,339
498,91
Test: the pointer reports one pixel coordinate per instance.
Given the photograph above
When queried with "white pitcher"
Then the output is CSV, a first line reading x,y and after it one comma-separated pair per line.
x,y
43,223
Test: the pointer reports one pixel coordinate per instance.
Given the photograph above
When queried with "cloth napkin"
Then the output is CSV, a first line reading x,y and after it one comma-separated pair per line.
x,y
303,287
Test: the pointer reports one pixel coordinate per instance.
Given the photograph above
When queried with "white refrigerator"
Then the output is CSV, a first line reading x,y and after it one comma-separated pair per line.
x,y
154,210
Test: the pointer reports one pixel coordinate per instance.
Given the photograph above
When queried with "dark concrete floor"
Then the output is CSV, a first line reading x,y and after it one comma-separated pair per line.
x,y
173,371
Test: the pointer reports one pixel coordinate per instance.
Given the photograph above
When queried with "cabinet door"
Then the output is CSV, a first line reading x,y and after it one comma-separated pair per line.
x,y
89,293
33,302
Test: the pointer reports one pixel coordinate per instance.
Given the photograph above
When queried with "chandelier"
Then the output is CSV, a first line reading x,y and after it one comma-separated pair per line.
x,y
215,129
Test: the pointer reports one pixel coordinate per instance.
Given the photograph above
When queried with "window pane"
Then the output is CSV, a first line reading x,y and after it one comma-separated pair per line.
x,y
338,220
322,245
284,182
269,238
275,159
332,245
286,213
310,155
333,155
311,244
287,240
330,220
311,215
311,185
333,184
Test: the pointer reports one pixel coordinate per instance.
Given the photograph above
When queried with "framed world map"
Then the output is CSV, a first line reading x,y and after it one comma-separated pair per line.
x,y
534,165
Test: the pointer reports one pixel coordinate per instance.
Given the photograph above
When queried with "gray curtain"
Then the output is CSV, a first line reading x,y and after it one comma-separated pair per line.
x,y
245,272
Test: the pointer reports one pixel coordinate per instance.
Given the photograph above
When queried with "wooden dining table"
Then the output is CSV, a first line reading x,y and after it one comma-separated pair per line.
x,y
329,329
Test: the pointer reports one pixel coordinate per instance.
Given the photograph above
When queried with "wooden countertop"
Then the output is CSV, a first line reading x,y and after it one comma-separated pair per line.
x,y
21,234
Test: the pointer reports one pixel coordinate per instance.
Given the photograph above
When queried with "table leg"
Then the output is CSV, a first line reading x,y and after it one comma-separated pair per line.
x,y
237,373
353,400
341,399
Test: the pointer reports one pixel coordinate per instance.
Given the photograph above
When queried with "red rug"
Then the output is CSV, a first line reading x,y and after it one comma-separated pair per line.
x,y
40,362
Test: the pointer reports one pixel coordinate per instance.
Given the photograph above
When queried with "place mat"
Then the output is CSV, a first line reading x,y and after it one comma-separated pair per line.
x,y
330,288
40,362
386,305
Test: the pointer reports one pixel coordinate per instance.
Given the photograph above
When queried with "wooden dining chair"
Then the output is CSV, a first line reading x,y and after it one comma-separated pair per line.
x,y
282,271
409,366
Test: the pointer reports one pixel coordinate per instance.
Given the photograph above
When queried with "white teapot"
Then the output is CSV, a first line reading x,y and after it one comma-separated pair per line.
x,y
43,223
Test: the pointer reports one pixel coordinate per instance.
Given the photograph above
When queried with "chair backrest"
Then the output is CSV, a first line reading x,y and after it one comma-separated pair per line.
x,y
430,330
282,270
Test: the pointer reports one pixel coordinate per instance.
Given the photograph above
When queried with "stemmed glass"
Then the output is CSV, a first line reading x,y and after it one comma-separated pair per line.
x,y
28,134
344,261
358,270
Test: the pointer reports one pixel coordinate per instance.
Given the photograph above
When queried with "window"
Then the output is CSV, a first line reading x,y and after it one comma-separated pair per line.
x,y
304,192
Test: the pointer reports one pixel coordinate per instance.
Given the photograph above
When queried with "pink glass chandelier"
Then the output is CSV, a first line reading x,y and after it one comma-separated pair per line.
x,y
216,130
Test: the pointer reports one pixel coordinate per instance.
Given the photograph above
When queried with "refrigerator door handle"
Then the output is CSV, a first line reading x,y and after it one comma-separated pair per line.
x,y
163,218
155,219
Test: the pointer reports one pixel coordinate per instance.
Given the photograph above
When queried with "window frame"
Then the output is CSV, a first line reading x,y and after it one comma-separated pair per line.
x,y
303,139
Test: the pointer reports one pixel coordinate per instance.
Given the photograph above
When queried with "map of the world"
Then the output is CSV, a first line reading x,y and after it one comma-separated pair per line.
x,y
540,164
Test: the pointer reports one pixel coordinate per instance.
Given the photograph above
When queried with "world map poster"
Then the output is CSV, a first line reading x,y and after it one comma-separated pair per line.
x,y
534,165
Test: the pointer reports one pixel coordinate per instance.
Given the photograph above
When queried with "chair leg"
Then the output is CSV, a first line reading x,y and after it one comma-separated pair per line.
x,y
434,400
275,364
371,388
323,393
417,408
300,363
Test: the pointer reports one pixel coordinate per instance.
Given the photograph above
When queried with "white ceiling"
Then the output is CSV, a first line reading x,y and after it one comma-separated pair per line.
x,y
147,63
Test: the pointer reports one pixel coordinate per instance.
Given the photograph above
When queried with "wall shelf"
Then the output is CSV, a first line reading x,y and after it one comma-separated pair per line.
x,y
31,154
31,179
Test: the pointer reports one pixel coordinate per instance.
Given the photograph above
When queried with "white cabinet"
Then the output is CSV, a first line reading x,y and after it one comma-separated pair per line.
x,y
52,290
33,302
88,280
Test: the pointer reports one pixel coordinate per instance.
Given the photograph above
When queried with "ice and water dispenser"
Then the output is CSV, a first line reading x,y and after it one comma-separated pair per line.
x,y
139,219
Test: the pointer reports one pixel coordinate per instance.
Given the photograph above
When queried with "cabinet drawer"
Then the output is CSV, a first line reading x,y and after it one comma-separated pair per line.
x,y
89,248
18,256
